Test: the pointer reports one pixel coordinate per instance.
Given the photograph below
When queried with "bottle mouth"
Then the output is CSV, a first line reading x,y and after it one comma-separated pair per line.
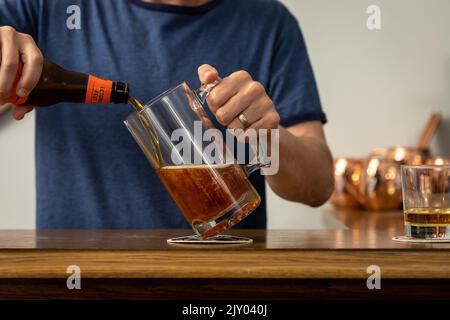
x,y
120,92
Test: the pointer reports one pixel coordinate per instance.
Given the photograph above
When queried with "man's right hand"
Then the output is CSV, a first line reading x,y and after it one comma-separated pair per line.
x,y
15,47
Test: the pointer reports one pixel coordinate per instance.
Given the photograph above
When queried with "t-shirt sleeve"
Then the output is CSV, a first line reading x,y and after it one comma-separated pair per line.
x,y
22,15
292,86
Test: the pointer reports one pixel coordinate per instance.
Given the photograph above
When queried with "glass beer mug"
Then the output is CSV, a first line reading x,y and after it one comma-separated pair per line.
x,y
212,195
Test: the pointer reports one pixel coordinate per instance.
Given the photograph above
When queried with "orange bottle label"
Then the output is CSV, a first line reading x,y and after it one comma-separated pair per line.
x,y
98,90
13,97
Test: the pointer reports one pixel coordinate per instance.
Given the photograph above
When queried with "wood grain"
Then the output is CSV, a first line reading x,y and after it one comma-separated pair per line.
x,y
280,263
277,264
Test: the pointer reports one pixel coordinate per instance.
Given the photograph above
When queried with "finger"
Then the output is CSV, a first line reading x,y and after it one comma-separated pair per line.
x,y
270,120
255,111
8,64
244,134
33,61
18,112
239,81
207,74
227,113
222,93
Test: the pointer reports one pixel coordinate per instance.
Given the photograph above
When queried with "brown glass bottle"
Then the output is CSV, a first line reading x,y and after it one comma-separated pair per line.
x,y
59,85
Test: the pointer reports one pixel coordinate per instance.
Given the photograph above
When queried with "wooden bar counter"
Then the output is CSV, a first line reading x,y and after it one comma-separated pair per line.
x,y
296,264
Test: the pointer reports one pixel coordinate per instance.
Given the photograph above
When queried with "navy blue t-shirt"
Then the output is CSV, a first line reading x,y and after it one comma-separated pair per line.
x,y
90,172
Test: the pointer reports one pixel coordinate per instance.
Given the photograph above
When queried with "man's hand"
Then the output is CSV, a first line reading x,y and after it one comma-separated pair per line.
x,y
305,163
18,47
239,94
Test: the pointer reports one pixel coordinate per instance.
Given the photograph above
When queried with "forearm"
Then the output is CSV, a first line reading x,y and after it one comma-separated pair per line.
x,y
305,169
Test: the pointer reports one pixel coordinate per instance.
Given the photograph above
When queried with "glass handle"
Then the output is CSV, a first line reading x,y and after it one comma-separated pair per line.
x,y
250,168
203,92
263,160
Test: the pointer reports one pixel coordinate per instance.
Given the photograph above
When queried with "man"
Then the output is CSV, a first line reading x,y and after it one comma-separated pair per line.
x,y
90,173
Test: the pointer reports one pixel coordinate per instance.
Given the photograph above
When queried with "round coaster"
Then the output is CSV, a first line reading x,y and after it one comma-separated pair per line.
x,y
408,239
220,239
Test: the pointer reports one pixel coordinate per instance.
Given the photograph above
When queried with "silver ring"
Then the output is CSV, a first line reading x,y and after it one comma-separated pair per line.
x,y
243,119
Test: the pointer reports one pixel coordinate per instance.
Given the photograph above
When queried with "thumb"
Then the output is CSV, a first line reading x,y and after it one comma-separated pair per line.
x,y
207,74
18,112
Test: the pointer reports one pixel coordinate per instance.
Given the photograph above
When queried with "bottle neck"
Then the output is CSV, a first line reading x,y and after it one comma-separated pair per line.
x,y
59,85
105,91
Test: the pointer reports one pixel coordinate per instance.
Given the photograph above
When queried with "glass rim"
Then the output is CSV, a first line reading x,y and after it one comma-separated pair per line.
x,y
425,166
153,100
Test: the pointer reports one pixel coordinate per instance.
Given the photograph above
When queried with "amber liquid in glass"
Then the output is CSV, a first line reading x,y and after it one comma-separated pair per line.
x,y
206,192
427,217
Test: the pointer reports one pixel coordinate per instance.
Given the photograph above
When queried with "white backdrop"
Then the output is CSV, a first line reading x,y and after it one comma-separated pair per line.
x,y
377,88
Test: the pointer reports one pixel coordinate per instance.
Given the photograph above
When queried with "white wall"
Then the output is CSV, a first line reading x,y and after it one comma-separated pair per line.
x,y
17,190
377,88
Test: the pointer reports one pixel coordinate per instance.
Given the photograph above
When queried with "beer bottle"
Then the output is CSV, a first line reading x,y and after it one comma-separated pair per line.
x,y
59,85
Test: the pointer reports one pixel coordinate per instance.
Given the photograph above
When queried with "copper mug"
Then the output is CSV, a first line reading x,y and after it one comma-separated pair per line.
x,y
381,176
347,177
439,161
373,183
